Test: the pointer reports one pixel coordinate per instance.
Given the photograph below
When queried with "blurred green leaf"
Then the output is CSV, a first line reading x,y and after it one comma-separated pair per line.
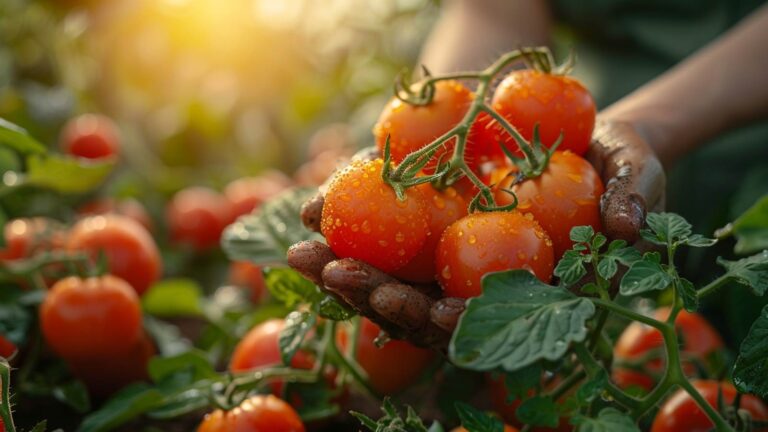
x,y
539,411
161,368
74,394
66,174
751,228
18,138
750,373
173,298
129,403
264,237
475,420
9,160
297,325
609,420
288,286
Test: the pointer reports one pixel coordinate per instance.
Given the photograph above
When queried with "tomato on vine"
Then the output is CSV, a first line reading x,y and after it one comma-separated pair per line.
x,y
699,341
260,413
90,136
481,243
363,218
197,216
25,237
565,195
681,413
130,251
91,318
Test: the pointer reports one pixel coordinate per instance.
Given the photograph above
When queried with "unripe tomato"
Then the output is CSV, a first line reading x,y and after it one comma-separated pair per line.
x,y
699,339
130,251
481,243
378,363
91,318
197,216
567,194
248,193
248,275
24,237
128,207
680,413
90,136
260,413
444,208
363,219
557,103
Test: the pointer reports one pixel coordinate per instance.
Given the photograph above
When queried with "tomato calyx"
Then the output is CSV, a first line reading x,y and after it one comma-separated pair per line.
x,y
543,61
536,156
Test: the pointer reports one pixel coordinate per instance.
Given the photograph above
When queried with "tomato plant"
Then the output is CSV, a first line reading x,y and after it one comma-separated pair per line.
x,y
481,243
364,219
680,412
130,251
90,136
129,208
247,275
26,236
262,413
196,216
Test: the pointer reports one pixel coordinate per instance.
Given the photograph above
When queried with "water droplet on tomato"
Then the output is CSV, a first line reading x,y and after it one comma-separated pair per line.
x,y
446,273
472,239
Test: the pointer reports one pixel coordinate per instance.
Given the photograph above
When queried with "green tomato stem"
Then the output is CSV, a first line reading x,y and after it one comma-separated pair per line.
x,y
5,397
593,368
713,286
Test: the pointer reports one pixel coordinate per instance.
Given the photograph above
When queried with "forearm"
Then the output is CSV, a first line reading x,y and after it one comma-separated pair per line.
x,y
470,34
722,86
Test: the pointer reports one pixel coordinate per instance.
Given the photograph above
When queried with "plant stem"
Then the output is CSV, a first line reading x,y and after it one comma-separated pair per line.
x,y
713,286
628,313
351,366
720,424
5,396
593,368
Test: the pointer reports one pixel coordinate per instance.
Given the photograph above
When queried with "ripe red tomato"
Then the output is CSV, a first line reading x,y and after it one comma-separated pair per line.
x,y
91,318
487,242
24,237
681,413
248,193
508,411
90,136
128,207
130,251
7,348
247,275
197,216
699,339
378,363
557,103
363,219
260,413
444,208
567,194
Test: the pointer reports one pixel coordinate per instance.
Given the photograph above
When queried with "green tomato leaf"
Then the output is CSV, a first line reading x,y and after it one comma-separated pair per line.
x,y
126,405
609,420
751,271
40,427
18,138
644,276
290,287
173,298
698,240
687,292
475,420
516,321
330,308
265,236
539,411
297,325
520,382
668,227
183,402
73,394
592,388
750,373
607,267
582,234
598,241
619,251
751,228
392,421
67,174
316,400
436,427
570,269
193,362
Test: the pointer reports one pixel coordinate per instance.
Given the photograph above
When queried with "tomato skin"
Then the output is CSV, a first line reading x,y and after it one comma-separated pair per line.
x,y
248,193
130,250
378,363
363,219
197,216
90,136
94,317
444,207
128,207
481,243
26,236
7,348
567,194
680,413
698,339
260,413
248,275
558,103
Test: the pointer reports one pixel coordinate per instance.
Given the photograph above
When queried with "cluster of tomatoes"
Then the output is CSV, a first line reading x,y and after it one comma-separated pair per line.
x,y
429,235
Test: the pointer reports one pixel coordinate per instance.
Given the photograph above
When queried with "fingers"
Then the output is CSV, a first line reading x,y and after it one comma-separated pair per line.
x,y
353,281
445,312
402,304
633,176
312,212
309,257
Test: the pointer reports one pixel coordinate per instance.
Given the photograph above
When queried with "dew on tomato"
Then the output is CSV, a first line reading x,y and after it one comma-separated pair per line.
x,y
260,413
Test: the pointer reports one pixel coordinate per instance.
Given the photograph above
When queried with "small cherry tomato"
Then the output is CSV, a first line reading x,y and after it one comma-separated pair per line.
x,y
363,218
197,216
91,318
680,413
481,243
699,339
248,193
567,194
248,275
130,251
7,348
24,237
378,362
128,207
90,136
444,208
260,413
559,104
